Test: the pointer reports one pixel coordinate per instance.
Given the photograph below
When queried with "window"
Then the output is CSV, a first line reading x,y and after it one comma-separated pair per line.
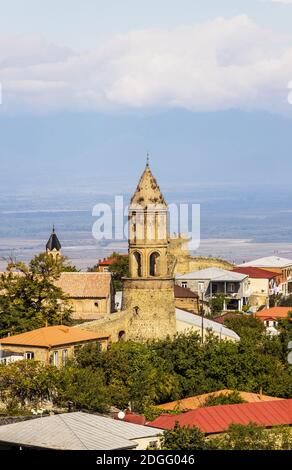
x,y
154,264
201,286
96,304
122,336
29,355
137,264
55,358
184,284
231,287
64,356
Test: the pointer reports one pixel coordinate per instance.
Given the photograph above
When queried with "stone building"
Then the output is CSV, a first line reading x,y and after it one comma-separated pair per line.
x,y
91,295
51,344
148,309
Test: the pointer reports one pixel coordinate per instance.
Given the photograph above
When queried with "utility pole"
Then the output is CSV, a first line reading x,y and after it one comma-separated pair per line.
x,y
202,317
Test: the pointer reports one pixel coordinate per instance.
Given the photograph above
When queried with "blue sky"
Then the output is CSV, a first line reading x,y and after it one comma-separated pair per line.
x,y
80,24
89,87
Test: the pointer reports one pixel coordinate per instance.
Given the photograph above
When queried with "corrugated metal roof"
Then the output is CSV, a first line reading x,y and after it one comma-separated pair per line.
x,y
269,262
213,274
196,320
255,273
216,419
75,431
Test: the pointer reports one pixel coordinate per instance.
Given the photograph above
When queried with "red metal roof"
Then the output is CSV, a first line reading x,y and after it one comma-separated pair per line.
x,y
132,418
256,273
216,419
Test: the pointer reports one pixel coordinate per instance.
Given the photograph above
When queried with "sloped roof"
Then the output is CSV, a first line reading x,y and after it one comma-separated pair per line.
x,y
255,273
53,242
147,192
51,336
269,262
213,274
196,320
192,403
216,419
221,318
85,285
75,431
183,292
274,312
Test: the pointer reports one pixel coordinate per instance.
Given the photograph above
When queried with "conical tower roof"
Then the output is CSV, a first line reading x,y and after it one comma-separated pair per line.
x,y
148,192
53,242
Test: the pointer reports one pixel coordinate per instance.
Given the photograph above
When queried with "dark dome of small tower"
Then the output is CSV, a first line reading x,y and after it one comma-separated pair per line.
x,y
53,242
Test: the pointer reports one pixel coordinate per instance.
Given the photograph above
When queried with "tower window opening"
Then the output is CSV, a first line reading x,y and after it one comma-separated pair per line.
x,y
137,264
154,264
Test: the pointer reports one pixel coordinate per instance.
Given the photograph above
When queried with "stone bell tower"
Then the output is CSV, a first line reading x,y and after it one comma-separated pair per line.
x,y
149,291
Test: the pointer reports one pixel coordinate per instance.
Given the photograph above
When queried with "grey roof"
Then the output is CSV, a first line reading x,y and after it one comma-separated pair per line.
x,y
269,262
196,320
75,431
53,242
213,274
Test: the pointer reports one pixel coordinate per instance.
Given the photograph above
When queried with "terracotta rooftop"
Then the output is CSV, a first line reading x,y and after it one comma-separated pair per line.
x,y
109,261
51,336
255,273
184,292
192,403
216,419
274,312
85,285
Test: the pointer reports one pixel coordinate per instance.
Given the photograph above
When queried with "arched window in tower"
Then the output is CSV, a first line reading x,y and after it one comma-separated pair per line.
x,y
154,264
137,264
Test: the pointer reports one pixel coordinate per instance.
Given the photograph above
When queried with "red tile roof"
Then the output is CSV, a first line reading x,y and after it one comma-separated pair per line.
x,y
216,419
274,312
109,261
256,273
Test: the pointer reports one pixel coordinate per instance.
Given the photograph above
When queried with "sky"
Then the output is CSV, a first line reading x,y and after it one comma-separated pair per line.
x,y
88,88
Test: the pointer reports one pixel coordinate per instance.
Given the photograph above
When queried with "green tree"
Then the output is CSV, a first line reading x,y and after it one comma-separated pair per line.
x,y
247,327
251,437
84,388
29,296
216,304
183,438
29,381
231,398
119,269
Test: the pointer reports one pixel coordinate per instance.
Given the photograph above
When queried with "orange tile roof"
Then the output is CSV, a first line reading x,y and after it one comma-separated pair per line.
x,y
192,403
274,312
85,285
51,336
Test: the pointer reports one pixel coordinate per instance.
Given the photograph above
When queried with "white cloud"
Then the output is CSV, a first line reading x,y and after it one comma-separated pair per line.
x,y
218,65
